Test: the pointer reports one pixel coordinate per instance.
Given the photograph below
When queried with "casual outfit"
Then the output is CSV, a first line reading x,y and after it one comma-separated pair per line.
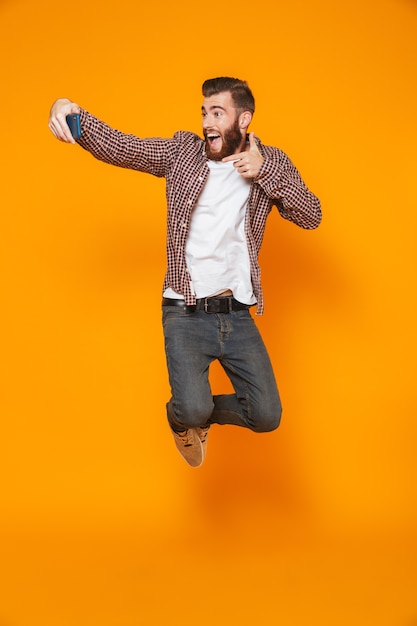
x,y
215,226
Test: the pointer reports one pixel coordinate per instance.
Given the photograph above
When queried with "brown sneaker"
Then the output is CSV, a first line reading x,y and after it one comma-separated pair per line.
x,y
202,432
189,446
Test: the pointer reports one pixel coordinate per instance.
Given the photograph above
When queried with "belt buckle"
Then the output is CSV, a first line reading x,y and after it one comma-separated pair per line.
x,y
206,305
218,305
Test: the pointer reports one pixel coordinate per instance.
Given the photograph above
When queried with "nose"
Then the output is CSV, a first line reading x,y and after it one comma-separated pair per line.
x,y
206,121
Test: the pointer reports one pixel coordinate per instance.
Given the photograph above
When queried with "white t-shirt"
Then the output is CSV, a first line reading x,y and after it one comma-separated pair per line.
x,y
216,249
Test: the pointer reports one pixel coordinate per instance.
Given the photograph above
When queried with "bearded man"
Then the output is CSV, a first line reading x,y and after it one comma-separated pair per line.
x,y
220,191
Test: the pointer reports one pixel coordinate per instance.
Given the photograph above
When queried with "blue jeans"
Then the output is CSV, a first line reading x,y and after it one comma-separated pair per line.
x,y
193,340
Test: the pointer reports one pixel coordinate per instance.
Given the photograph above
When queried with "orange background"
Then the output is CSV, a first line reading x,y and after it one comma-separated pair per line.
x,y
101,522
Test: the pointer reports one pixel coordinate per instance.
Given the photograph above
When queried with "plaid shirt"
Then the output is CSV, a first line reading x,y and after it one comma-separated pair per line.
x,y
181,160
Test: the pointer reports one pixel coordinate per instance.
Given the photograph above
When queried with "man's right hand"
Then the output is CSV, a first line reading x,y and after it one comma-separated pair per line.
x,y
57,122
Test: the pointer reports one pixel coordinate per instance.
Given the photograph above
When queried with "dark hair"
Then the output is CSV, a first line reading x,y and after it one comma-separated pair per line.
x,y
241,94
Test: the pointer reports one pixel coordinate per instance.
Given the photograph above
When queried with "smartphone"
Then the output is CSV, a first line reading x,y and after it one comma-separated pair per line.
x,y
73,121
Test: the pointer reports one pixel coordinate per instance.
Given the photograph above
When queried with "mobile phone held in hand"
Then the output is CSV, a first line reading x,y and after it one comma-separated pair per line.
x,y
73,121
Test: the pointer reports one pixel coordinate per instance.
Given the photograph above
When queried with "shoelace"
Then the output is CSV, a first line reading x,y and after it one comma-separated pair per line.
x,y
203,433
186,438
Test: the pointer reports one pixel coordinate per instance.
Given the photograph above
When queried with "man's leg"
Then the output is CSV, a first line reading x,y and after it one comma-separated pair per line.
x,y
190,340
191,344
256,403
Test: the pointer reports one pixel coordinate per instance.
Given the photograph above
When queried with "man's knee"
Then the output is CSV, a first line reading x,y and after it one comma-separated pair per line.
x,y
269,421
189,415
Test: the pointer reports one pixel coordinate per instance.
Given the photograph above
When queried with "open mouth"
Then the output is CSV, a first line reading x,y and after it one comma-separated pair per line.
x,y
213,140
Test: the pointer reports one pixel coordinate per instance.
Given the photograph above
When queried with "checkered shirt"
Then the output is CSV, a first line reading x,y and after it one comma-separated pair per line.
x,y
181,160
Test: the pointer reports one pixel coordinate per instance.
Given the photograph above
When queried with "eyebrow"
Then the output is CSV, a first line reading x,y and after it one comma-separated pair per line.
x,y
214,106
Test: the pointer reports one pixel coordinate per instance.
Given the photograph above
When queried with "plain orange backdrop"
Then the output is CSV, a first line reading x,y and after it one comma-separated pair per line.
x,y
101,522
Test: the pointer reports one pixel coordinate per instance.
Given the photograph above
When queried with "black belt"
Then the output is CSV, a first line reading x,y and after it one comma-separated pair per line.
x,y
223,304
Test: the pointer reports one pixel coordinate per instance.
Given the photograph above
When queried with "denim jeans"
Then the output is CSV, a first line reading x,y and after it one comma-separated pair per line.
x,y
193,340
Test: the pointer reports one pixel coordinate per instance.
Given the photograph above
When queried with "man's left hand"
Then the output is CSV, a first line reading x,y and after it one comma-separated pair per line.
x,y
247,163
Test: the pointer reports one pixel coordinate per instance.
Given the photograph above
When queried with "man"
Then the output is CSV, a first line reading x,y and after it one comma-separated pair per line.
x,y
220,191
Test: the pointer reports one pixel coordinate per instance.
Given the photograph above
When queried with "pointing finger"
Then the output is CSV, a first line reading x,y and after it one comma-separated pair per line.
x,y
234,157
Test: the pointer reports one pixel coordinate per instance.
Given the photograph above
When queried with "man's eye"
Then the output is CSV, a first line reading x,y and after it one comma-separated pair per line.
x,y
218,113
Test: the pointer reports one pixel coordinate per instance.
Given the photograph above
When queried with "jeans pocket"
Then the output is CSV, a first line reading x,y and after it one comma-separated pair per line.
x,y
172,313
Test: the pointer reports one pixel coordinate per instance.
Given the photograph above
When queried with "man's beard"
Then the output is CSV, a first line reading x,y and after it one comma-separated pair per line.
x,y
231,140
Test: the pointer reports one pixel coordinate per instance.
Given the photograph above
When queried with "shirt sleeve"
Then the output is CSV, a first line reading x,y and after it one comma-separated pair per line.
x,y
282,182
153,155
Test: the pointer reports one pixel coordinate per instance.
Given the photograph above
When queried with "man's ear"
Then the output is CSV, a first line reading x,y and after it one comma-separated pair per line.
x,y
245,119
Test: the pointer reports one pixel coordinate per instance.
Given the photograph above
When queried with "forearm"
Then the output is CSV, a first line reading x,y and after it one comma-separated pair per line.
x,y
282,182
121,149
